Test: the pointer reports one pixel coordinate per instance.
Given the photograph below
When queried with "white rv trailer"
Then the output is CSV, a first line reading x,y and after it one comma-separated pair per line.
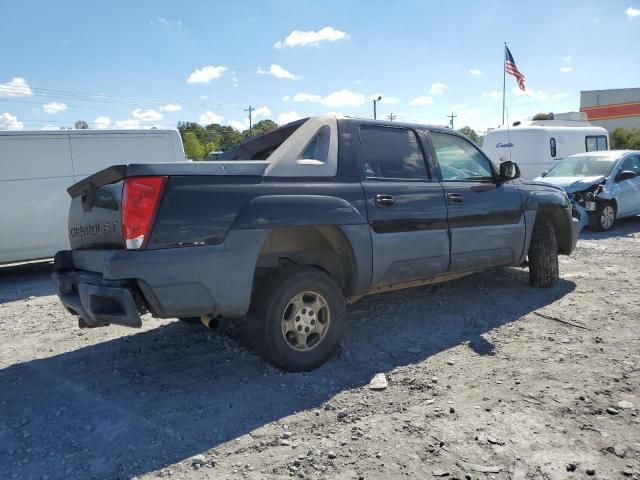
x,y
37,167
537,145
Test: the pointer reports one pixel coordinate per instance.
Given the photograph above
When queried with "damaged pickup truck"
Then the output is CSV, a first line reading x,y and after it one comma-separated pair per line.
x,y
603,186
289,226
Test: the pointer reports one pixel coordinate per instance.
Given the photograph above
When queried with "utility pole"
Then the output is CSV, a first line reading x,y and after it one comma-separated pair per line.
x,y
452,116
376,100
392,117
250,109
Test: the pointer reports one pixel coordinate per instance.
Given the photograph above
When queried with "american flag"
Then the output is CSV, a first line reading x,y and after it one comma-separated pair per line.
x,y
511,69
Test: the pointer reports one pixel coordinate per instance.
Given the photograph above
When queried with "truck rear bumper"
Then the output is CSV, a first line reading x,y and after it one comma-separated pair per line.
x,y
107,286
96,302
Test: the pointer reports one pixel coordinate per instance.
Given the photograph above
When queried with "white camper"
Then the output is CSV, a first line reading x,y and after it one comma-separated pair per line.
x,y
538,145
37,167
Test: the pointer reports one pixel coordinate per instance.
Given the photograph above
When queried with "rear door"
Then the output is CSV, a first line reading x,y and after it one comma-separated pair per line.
x,y
628,196
406,207
485,216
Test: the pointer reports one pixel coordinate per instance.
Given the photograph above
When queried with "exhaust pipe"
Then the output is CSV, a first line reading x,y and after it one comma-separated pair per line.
x,y
210,321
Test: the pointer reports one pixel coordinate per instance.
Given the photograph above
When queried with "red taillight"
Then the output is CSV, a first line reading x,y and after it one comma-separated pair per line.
x,y
140,200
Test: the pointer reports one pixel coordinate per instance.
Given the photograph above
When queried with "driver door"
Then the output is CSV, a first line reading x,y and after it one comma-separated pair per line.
x,y
628,196
485,216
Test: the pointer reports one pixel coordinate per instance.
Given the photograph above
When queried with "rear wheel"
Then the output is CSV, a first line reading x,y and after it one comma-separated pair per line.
x,y
603,218
543,256
297,318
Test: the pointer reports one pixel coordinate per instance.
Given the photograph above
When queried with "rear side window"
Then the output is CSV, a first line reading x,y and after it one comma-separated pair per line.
x,y
391,152
595,143
552,146
459,160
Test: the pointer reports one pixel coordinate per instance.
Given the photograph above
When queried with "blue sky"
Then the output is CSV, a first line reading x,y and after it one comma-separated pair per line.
x,y
145,63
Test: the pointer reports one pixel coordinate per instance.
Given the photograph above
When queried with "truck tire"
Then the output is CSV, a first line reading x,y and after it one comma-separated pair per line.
x,y
603,218
297,318
543,256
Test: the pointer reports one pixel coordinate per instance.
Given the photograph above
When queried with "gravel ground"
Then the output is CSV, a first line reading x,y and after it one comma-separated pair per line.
x,y
484,381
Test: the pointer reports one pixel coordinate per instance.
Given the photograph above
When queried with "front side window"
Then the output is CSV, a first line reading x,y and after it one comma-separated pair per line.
x,y
595,143
552,145
631,163
459,160
392,153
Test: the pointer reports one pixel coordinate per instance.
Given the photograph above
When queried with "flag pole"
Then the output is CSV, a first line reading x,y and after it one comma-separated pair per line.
x,y
504,78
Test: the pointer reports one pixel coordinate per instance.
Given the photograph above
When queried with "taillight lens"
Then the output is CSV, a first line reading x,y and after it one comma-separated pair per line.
x,y
140,200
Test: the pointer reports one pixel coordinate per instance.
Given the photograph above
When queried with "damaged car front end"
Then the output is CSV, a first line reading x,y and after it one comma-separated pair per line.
x,y
599,186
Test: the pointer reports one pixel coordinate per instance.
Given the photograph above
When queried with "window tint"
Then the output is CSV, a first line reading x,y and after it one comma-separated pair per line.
x,y
595,143
552,145
392,153
631,163
459,160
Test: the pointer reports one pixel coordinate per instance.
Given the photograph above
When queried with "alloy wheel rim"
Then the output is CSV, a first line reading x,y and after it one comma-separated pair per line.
x,y
305,321
606,217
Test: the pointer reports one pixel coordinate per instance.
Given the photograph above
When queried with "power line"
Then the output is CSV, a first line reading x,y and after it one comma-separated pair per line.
x,y
391,117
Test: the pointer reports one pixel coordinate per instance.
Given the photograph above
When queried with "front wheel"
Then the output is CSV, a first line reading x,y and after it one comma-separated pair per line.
x,y
603,218
297,318
543,256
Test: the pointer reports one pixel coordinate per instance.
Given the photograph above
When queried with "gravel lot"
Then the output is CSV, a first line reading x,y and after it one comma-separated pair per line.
x,y
480,385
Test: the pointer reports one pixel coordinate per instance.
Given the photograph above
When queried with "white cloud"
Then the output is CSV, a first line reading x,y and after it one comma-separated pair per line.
x,y
171,108
632,12
9,122
102,122
235,83
209,117
494,94
127,124
146,115
341,98
54,107
419,101
566,69
475,72
438,88
287,117
240,126
206,74
299,38
261,112
16,87
278,72
286,98
568,58
387,100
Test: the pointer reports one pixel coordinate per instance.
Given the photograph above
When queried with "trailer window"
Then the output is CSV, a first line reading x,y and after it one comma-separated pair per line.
x,y
595,143
552,145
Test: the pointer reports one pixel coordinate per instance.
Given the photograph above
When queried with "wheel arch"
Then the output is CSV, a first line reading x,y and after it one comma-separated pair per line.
x,y
326,247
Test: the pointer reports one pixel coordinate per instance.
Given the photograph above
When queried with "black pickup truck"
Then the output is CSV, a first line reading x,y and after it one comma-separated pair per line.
x,y
287,227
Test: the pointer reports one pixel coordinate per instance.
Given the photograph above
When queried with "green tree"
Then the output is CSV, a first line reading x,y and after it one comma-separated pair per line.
x,y
625,138
193,149
470,132
263,126
81,125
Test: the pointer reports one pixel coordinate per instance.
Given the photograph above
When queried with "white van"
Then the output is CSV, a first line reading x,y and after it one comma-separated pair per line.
x,y
538,145
37,167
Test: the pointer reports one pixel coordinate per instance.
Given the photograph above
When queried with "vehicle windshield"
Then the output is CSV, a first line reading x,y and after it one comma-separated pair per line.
x,y
586,166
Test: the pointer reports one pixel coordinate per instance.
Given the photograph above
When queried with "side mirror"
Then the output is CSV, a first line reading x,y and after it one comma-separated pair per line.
x,y
544,174
625,175
509,170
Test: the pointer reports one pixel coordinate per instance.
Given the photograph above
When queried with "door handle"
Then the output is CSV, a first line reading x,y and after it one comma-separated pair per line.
x,y
383,200
455,197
